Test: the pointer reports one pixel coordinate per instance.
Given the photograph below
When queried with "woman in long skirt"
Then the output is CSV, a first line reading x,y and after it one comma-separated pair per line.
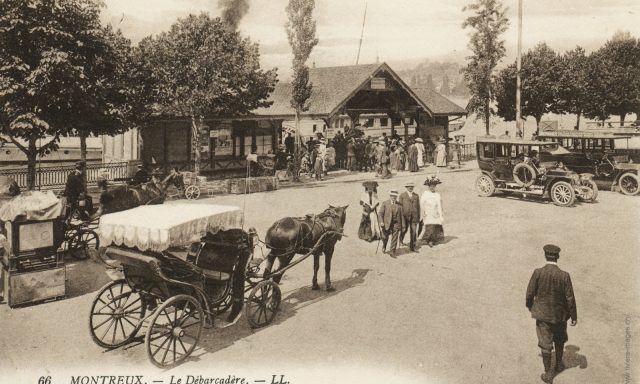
x,y
395,160
413,158
369,228
441,158
431,213
420,148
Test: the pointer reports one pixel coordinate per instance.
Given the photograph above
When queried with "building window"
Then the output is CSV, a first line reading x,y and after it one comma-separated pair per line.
x,y
397,122
384,121
315,127
335,123
369,122
341,123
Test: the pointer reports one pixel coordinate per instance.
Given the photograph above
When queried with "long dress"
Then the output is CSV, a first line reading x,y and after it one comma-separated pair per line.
x,y
413,158
431,216
395,160
441,159
369,228
420,148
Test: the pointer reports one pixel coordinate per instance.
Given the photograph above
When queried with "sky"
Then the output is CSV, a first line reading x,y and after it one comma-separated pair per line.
x,y
399,32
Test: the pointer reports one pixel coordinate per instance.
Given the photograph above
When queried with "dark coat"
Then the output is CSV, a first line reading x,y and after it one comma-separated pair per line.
x,y
391,213
74,186
410,206
550,295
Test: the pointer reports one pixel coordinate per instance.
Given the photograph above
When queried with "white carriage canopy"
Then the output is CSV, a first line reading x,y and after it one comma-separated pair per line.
x,y
159,227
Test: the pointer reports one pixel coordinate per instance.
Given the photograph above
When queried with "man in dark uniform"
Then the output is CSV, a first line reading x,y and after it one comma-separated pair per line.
x,y
410,203
551,302
290,143
391,222
141,176
74,188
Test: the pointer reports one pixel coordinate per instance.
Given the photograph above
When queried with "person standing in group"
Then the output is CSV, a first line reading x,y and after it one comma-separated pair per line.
x,y
420,155
391,222
351,155
381,150
441,159
329,157
371,154
369,229
412,157
402,156
455,153
75,191
318,165
290,143
551,301
410,202
431,213
385,161
393,158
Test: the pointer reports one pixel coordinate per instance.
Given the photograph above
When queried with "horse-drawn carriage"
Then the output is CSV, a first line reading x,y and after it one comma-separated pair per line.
x,y
172,292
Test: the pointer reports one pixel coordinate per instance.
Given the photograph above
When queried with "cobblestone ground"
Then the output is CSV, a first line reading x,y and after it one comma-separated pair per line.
x,y
450,314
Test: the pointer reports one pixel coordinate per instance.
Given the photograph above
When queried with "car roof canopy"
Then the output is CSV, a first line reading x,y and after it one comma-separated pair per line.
x,y
485,139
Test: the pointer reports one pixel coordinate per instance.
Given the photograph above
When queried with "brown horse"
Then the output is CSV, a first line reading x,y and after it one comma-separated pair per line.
x,y
122,197
290,236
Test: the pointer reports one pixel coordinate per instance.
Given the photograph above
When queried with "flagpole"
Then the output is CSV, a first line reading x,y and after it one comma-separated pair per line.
x,y
364,18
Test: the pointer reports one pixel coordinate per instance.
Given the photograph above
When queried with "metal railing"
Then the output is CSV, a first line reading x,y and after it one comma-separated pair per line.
x,y
56,176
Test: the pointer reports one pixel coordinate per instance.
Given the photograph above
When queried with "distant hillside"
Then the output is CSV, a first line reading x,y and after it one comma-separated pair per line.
x,y
444,77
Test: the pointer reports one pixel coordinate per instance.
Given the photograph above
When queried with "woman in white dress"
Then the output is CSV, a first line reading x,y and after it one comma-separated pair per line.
x,y
431,213
369,228
420,146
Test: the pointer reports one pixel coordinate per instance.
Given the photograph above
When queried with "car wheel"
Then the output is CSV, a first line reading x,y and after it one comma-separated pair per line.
x,y
591,190
485,186
562,194
628,184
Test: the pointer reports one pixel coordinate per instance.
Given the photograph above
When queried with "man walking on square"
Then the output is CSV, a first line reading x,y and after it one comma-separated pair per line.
x,y
551,302
410,203
391,222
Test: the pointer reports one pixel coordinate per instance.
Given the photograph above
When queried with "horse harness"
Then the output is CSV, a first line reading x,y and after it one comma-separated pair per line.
x,y
311,222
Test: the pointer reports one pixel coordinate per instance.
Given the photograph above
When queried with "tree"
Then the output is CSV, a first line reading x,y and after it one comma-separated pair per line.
x,y
429,82
301,32
59,75
614,78
488,21
200,67
539,80
572,87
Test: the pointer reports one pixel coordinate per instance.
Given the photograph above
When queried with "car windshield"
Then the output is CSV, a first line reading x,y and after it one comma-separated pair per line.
x,y
555,149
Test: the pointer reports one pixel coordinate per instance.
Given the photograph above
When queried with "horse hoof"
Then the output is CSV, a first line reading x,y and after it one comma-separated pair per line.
x,y
330,289
315,287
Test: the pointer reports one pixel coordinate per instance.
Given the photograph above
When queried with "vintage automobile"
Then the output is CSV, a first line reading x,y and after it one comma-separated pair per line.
x,y
609,167
507,167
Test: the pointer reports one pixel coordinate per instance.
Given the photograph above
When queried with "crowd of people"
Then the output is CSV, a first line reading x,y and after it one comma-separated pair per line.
x,y
355,152
390,221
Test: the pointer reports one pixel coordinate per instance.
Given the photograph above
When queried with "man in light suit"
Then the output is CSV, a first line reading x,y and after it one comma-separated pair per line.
x,y
551,302
391,222
410,203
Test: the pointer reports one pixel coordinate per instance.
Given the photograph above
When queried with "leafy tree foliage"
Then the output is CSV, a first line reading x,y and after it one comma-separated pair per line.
x,y
301,32
200,67
573,80
61,73
445,89
539,75
614,78
488,21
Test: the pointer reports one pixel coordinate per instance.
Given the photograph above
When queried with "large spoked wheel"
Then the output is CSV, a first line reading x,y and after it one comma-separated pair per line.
x,y
192,192
174,331
83,241
263,303
116,315
485,186
562,194
589,190
628,184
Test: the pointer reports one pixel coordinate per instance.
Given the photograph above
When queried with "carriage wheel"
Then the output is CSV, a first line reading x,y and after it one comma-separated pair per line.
x,y
628,184
262,304
116,315
81,242
192,192
174,330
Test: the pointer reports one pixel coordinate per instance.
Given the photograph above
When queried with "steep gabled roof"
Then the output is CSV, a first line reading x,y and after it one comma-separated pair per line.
x,y
334,86
439,104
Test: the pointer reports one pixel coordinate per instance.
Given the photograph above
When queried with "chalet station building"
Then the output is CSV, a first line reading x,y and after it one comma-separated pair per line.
x,y
371,95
